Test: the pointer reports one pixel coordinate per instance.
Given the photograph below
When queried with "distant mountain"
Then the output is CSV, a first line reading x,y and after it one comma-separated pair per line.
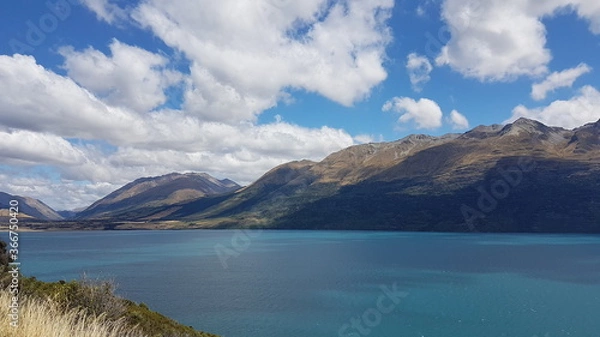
x,y
152,197
521,177
70,214
28,208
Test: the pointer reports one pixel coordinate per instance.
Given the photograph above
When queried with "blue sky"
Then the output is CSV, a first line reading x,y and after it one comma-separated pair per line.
x,y
97,93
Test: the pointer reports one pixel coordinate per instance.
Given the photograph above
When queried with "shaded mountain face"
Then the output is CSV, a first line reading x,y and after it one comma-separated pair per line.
x,y
521,177
151,198
28,208
586,139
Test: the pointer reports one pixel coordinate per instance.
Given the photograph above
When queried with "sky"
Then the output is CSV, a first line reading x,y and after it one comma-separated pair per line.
x,y
97,93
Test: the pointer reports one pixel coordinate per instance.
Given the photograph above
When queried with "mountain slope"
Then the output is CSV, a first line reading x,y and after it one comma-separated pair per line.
x,y
523,176
145,198
28,208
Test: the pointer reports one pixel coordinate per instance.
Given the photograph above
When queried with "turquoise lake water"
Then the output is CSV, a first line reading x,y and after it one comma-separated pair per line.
x,y
330,283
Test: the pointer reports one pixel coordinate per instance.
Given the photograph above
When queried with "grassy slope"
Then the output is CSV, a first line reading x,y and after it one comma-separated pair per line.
x,y
44,318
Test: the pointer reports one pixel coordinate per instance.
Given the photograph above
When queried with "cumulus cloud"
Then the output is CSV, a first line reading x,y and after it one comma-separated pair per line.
x,y
556,80
425,113
418,68
26,147
577,111
36,99
131,77
211,100
500,40
335,50
458,120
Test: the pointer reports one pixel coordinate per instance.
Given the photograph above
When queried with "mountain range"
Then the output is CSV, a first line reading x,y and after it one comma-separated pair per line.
x,y
520,177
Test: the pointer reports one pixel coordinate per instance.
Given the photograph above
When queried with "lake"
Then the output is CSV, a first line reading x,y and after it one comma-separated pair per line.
x,y
340,283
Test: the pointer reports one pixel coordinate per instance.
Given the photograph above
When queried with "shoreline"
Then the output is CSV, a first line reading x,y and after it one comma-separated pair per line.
x,y
179,226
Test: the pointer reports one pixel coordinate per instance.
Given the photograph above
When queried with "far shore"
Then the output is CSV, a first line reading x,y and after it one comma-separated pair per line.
x,y
214,224
96,225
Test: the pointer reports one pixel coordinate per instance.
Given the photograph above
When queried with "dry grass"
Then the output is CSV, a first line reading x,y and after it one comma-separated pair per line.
x,y
45,318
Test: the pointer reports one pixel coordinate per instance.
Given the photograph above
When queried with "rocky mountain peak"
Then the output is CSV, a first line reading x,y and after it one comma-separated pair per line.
x,y
524,125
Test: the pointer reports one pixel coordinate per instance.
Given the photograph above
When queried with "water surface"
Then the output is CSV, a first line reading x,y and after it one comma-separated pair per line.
x,y
321,283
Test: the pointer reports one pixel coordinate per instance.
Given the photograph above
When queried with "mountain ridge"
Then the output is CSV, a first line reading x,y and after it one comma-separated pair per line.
x,y
430,179
417,183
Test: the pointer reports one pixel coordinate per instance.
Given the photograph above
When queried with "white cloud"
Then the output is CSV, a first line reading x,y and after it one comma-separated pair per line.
x,y
60,195
35,99
579,110
251,61
588,10
418,68
556,80
32,148
500,40
48,102
424,112
105,10
207,98
458,120
132,77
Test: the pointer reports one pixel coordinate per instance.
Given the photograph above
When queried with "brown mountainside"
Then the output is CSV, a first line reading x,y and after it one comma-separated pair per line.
x,y
543,179
147,196
28,208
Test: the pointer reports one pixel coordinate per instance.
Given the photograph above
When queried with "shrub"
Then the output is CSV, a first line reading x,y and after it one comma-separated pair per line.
x,y
5,278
